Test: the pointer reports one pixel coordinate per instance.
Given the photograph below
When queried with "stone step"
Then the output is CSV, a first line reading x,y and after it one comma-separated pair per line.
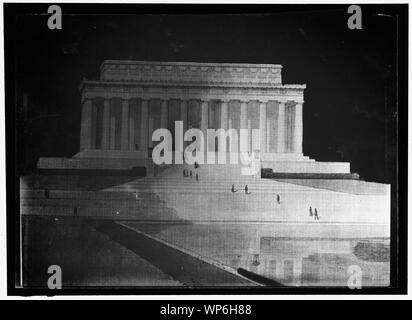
x,y
127,195
208,188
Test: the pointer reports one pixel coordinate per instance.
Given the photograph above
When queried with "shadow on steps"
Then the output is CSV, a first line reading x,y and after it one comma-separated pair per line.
x,y
258,278
187,269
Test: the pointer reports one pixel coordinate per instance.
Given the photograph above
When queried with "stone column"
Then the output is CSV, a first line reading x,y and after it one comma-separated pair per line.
x,y
281,127
112,131
204,122
106,125
224,121
163,119
262,126
86,125
93,129
249,135
243,115
223,115
298,128
125,125
183,116
205,115
244,123
163,114
132,115
144,125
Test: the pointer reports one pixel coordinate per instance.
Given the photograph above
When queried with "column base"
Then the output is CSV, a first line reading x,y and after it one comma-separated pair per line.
x,y
299,163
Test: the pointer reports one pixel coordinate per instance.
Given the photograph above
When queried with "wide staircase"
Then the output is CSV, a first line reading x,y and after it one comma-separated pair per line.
x,y
210,197
169,196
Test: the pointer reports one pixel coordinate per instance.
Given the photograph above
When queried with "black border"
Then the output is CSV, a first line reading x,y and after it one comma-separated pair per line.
x,y
399,188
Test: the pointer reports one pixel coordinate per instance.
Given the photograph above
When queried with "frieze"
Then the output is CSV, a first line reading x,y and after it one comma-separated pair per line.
x,y
189,72
92,89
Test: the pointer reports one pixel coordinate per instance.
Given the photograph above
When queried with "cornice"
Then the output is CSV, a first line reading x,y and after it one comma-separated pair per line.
x,y
227,85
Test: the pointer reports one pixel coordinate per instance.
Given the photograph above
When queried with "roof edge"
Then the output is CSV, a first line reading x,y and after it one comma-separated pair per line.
x,y
205,64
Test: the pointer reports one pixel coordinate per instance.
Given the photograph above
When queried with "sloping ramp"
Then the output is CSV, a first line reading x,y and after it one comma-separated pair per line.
x,y
187,268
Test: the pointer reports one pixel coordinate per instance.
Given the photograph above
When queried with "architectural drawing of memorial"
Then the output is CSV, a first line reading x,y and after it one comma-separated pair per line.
x,y
292,201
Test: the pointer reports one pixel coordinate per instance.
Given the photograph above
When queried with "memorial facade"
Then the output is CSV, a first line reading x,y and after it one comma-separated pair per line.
x,y
132,99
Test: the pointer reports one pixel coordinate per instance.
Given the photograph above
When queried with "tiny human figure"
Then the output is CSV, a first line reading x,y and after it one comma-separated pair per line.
x,y
310,212
197,177
191,175
278,199
233,188
196,165
247,189
184,172
316,214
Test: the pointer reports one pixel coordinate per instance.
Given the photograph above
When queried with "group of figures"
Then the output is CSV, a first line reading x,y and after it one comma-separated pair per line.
x,y
189,173
313,213
246,189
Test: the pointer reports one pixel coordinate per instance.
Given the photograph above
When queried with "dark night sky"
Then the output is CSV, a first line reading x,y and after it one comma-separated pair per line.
x,y
349,110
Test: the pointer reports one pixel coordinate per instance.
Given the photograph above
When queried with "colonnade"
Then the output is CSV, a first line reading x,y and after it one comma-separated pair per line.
x,y
128,124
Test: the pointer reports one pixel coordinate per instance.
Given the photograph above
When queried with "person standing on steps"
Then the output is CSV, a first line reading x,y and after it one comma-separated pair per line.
x,y
197,177
184,172
310,212
278,199
233,188
247,189
191,175
316,214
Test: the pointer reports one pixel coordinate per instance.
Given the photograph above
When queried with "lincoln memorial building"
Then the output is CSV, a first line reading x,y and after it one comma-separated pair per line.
x,y
132,99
